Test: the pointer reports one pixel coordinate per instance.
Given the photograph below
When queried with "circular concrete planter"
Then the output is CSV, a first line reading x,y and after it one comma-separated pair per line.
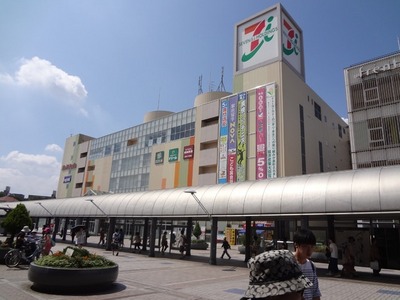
x,y
70,280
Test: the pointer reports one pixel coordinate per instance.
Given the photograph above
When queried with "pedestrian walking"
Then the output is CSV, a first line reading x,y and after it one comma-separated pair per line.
x,y
226,246
349,259
374,257
80,237
47,241
304,242
102,237
121,237
332,249
115,242
137,242
255,247
164,242
182,243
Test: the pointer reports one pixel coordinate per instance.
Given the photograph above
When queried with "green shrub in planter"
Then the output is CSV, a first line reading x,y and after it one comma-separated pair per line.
x,y
80,258
72,270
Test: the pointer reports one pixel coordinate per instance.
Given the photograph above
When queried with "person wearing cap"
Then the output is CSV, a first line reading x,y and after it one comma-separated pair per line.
x,y
25,229
33,237
275,274
304,242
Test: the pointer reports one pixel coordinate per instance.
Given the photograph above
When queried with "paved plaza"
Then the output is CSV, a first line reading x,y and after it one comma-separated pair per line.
x,y
168,277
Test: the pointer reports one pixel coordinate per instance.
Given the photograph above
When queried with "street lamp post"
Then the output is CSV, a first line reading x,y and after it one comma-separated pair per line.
x,y
98,207
193,193
111,225
214,225
44,208
56,223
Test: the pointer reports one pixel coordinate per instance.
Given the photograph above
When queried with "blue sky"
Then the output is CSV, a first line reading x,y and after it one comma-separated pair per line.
x,y
95,67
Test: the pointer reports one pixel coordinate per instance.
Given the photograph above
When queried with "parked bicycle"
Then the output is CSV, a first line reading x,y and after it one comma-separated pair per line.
x,y
29,252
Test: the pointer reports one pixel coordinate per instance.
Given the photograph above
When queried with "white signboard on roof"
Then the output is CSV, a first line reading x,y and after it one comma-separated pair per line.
x,y
257,40
291,43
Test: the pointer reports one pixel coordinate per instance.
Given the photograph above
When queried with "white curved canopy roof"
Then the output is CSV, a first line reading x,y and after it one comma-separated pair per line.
x,y
362,192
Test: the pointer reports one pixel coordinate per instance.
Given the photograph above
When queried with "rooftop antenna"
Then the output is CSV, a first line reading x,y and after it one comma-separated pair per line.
x,y
200,83
211,85
158,103
221,86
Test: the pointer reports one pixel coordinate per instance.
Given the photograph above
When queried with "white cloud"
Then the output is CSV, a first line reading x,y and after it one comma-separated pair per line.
x,y
29,173
346,120
41,74
53,148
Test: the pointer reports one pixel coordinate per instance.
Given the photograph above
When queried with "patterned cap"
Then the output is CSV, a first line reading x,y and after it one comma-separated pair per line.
x,y
275,273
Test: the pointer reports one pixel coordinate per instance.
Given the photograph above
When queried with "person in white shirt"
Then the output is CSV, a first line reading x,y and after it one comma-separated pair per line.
x,y
333,259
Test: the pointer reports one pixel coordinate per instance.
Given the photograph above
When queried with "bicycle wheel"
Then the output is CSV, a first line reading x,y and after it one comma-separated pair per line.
x,y
12,258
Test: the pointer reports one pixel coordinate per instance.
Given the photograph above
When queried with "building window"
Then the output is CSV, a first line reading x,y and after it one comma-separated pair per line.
x,y
132,142
391,128
357,97
340,130
375,90
182,131
317,111
107,150
84,154
117,147
384,131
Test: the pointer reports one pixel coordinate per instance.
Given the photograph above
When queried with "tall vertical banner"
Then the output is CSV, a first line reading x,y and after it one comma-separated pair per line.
x,y
223,141
271,131
261,169
241,137
232,136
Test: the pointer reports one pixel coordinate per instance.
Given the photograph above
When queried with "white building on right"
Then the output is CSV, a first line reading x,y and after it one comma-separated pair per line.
x,y
373,104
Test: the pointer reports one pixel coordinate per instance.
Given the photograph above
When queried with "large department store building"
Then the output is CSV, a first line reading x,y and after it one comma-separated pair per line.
x,y
373,101
272,125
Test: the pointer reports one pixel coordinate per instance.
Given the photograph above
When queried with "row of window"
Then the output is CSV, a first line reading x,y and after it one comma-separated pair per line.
x,y
378,163
380,89
384,131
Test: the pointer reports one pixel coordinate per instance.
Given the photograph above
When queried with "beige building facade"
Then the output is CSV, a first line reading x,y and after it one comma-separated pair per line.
x,y
373,102
272,125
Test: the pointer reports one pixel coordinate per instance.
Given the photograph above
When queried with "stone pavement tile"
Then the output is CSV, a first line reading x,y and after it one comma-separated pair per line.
x,y
11,292
165,277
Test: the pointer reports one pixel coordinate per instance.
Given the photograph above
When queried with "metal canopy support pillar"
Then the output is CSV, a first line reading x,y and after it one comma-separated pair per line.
x,y
213,250
248,239
64,236
145,234
153,237
110,232
171,239
189,227
331,228
304,222
55,228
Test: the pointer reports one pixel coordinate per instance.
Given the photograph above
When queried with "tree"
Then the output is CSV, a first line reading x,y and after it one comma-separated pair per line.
x,y
16,219
197,230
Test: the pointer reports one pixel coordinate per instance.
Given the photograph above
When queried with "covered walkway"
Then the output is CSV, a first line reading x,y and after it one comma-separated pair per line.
x,y
362,202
